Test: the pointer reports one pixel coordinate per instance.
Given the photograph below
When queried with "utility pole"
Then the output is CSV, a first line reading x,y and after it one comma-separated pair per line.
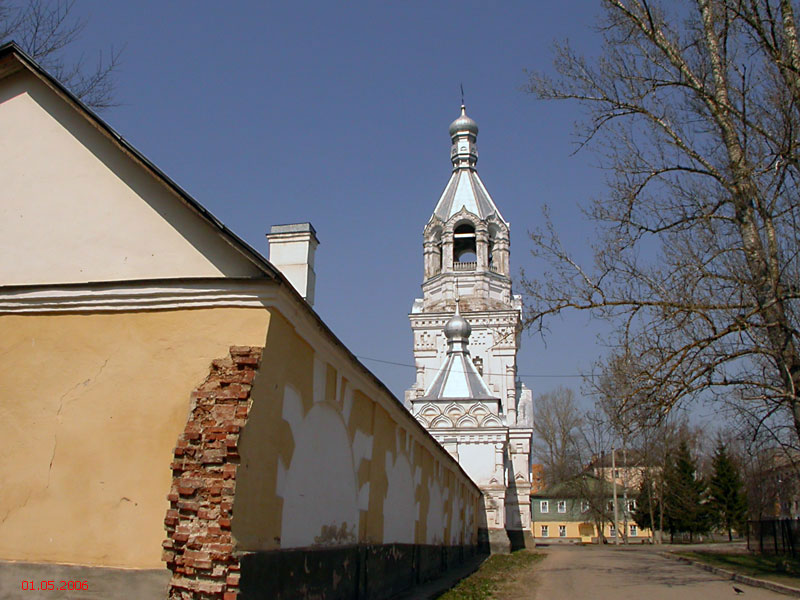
x,y
614,487
625,493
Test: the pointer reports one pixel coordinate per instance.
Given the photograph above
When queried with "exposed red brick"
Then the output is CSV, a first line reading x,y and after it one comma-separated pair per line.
x,y
198,548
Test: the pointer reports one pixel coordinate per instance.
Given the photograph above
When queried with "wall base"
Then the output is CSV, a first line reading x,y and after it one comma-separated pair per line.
x,y
106,583
376,572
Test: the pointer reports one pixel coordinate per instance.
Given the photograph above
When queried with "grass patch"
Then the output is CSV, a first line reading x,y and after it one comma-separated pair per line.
x,y
780,569
494,571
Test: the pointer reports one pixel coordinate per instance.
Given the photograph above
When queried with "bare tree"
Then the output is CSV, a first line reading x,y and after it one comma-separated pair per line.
x,y
45,30
697,108
651,438
595,441
556,429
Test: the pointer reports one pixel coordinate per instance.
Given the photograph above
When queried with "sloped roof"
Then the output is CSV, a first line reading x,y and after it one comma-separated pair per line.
x,y
571,488
13,59
465,189
458,378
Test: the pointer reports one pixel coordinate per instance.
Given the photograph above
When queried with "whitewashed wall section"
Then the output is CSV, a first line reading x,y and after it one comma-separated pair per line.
x,y
320,490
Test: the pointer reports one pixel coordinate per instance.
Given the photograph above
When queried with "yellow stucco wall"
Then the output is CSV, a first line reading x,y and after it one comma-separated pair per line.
x,y
90,409
325,460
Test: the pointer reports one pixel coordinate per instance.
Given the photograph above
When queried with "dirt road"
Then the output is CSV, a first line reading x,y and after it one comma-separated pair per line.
x,y
603,573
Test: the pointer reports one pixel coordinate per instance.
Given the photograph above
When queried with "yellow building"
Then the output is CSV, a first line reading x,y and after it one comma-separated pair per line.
x,y
169,403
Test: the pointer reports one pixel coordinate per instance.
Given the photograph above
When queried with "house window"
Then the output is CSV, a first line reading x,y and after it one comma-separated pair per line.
x,y
631,505
562,531
616,473
633,531
612,531
544,506
562,506
610,506
584,506
545,531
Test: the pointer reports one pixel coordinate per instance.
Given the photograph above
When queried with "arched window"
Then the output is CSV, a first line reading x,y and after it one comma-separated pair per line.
x,y
464,249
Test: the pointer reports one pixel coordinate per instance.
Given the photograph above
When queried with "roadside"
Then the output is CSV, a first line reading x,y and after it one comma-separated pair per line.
x,y
495,575
777,573
523,575
615,573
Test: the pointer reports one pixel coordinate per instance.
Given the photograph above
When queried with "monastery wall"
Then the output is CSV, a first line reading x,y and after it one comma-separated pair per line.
x,y
255,438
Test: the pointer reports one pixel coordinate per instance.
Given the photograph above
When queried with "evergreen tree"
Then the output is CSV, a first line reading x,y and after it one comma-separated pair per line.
x,y
727,502
684,510
646,504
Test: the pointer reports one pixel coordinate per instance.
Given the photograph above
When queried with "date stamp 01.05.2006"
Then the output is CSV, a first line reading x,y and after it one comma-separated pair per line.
x,y
55,586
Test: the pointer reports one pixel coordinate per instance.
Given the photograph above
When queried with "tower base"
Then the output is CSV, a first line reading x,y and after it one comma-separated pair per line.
x,y
493,541
520,538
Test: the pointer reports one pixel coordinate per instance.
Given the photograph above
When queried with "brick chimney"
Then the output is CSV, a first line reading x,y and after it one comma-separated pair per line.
x,y
291,251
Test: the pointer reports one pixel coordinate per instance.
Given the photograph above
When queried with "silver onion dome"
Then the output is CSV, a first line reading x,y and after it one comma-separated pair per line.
x,y
463,123
457,328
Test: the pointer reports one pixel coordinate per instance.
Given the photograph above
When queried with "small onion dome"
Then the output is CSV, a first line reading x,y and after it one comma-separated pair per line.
x,y
463,123
457,327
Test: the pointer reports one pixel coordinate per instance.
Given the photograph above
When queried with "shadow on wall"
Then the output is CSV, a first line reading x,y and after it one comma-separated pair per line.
x,y
366,571
516,536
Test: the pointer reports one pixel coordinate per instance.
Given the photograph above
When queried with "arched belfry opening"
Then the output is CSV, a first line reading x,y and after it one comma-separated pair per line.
x,y
465,250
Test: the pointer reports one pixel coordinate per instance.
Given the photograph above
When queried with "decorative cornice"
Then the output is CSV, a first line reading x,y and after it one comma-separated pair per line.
x,y
168,294
478,435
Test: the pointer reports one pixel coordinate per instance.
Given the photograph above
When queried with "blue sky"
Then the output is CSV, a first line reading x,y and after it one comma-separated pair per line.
x,y
337,113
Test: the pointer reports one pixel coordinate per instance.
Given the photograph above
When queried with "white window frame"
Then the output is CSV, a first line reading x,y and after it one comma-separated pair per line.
x,y
612,531
584,506
544,506
562,531
562,506
545,531
634,531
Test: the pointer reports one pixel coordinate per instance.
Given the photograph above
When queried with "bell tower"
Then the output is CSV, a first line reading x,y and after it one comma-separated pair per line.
x,y
486,422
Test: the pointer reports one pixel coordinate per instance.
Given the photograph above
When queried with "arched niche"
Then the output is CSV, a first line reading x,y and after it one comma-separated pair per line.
x,y
432,248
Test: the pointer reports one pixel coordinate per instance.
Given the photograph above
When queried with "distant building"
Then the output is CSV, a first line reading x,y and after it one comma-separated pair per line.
x,y
574,511
628,467
537,478
773,487
466,330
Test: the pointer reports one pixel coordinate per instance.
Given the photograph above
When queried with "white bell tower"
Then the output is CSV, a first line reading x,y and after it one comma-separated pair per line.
x,y
485,423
